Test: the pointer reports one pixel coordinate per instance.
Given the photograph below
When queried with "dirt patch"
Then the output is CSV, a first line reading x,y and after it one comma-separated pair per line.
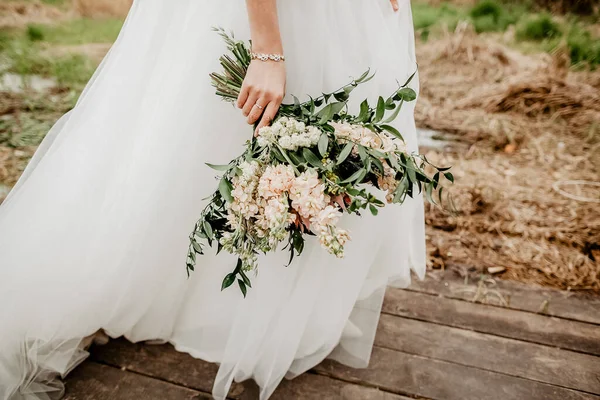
x,y
531,126
20,14
94,51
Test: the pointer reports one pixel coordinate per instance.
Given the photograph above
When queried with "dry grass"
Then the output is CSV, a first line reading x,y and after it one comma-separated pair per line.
x,y
529,123
102,8
19,14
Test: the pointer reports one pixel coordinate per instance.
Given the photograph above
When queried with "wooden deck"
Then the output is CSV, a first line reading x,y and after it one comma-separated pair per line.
x,y
441,339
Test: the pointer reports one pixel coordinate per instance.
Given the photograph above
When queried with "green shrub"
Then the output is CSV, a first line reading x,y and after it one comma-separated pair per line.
x,y
539,28
35,33
487,8
490,15
583,48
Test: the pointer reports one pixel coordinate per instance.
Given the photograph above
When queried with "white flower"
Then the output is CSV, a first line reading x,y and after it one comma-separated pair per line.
x,y
329,216
275,181
289,133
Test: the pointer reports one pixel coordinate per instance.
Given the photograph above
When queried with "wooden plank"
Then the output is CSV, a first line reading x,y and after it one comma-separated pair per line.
x,y
564,304
162,361
415,375
508,356
311,386
91,381
166,363
566,334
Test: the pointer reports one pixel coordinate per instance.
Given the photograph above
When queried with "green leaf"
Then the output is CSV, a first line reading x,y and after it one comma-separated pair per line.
x,y
238,266
278,154
373,209
377,163
219,167
323,144
225,189
400,193
449,176
409,79
363,76
394,115
428,193
242,287
380,110
357,176
345,153
341,96
245,278
325,114
329,111
197,247
208,229
393,131
362,152
394,163
407,94
364,112
228,281
311,158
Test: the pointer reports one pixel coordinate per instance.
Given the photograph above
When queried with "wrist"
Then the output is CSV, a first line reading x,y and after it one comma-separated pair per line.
x,y
267,47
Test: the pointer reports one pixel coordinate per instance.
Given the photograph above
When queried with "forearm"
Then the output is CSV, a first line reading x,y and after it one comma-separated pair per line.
x,y
264,26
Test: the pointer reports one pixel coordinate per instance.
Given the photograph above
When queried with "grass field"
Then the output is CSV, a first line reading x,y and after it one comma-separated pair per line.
x,y
521,113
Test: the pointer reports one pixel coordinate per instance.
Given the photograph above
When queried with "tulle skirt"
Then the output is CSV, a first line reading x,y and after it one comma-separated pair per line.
x,y
94,235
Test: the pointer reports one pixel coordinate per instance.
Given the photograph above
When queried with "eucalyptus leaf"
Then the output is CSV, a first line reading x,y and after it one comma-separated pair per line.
x,y
345,153
380,111
311,158
394,115
407,94
208,230
225,189
364,111
355,176
393,131
323,144
219,167
362,152
197,247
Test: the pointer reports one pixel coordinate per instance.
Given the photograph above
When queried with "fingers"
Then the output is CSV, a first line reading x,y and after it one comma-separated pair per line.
x,y
243,96
249,104
268,115
257,110
395,5
265,100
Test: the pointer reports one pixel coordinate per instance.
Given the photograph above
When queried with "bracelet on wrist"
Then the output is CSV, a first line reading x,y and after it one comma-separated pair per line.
x,y
267,57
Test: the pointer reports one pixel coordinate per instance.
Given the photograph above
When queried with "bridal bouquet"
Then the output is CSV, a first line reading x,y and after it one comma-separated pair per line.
x,y
302,173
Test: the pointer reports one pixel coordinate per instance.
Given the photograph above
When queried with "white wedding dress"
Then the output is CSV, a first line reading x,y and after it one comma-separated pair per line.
x,y
95,234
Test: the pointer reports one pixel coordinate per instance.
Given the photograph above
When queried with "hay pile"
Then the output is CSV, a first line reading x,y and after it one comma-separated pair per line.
x,y
529,124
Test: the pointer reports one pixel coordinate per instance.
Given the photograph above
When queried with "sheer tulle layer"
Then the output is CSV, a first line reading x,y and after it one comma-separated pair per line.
x,y
94,235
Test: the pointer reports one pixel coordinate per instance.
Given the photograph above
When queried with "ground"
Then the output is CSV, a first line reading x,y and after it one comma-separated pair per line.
x,y
510,91
434,342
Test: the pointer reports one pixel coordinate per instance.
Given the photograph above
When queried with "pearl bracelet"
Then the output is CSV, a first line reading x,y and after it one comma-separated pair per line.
x,y
267,57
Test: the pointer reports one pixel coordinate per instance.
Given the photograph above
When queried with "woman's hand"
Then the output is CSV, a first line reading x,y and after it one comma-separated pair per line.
x,y
395,5
262,92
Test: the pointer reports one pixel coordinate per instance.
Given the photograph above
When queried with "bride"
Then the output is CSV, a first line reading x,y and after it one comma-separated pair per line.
x,y
95,234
